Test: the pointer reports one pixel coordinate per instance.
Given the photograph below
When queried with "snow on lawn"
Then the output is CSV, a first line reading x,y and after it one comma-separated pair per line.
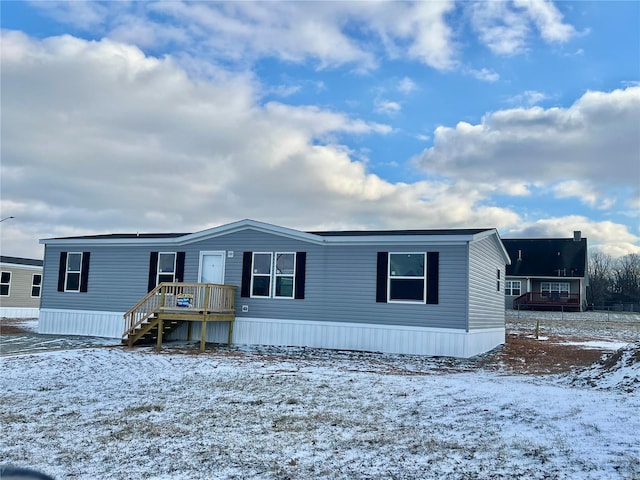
x,y
308,414
623,327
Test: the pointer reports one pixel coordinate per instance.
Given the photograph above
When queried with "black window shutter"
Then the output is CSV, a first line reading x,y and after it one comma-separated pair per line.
x,y
84,271
180,266
62,271
153,270
381,277
433,274
245,289
301,270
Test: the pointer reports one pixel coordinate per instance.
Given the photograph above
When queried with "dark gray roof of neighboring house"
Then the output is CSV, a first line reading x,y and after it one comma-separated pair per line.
x,y
21,261
356,233
546,257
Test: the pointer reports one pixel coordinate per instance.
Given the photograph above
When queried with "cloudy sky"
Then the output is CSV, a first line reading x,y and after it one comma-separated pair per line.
x,y
178,116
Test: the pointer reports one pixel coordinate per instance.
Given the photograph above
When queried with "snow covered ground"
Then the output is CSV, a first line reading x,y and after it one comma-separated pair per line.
x,y
275,413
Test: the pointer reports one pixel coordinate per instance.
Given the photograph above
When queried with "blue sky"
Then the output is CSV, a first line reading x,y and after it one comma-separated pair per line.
x,y
179,116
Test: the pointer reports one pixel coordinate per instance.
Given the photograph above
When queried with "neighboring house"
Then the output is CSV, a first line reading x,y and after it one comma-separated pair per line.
x,y
547,273
20,281
429,292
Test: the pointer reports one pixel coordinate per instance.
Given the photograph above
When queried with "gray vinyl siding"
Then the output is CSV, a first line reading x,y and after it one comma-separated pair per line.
x,y
118,278
20,288
340,281
486,303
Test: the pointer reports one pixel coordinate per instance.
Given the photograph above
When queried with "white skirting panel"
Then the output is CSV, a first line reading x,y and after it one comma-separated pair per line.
x,y
366,337
81,322
18,312
299,333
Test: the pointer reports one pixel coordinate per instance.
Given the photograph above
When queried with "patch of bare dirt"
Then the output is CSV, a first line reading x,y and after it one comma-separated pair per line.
x,y
12,326
527,355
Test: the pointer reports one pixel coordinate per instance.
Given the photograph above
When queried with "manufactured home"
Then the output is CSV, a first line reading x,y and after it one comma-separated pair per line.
x,y
428,292
20,285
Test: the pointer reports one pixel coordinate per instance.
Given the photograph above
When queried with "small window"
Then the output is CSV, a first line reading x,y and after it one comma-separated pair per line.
x,y
261,275
5,284
512,287
72,280
406,277
498,280
284,275
36,281
166,267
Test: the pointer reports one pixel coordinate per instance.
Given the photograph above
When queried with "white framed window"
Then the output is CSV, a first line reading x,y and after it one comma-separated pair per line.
x,y
512,287
5,284
406,278
498,280
284,275
550,289
36,282
166,267
73,272
261,274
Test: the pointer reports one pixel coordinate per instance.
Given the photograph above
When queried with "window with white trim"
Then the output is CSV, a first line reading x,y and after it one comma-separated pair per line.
x,y
36,282
550,289
72,272
166,267
284,275
497,280
406,277
261,274
512,287
5,284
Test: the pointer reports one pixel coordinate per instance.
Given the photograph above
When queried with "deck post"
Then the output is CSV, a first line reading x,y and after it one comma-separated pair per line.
x,y
230,332
205,309
203,334
160,328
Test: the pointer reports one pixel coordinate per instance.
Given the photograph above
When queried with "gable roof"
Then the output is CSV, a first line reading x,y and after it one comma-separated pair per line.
x,y
32,262
548,257
323,237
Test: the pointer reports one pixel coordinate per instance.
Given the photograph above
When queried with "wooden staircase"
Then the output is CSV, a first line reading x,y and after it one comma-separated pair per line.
x,y
169,305
147,333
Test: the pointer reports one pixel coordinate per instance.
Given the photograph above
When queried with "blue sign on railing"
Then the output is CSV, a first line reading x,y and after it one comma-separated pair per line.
x,y
184,300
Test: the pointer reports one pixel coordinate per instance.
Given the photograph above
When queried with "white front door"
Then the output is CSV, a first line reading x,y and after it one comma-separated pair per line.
x,y
212,267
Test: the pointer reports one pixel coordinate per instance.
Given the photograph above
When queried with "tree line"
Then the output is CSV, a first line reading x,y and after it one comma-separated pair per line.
x,y
613,280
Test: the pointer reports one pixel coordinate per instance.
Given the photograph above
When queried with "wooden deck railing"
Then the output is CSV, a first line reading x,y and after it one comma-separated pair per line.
x,y
546,299
207,298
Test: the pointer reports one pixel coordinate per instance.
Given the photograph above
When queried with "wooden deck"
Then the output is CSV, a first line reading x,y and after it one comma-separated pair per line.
x,y
169,305
547,301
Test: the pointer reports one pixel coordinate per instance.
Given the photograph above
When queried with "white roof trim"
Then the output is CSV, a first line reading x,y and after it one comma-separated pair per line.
x,y
248,224
20,265
490,232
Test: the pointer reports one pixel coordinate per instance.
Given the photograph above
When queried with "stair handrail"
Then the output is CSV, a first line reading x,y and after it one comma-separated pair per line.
x,y
148,312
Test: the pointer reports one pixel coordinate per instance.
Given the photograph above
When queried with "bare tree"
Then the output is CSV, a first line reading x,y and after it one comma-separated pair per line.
x,y
600,278
626,278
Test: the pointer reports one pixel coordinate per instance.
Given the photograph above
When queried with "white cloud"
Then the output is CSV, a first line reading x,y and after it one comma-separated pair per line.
x,y
484,75
527,98
98,137
596,140
290,31
584,191
506,27
406,85
387,107
548,19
